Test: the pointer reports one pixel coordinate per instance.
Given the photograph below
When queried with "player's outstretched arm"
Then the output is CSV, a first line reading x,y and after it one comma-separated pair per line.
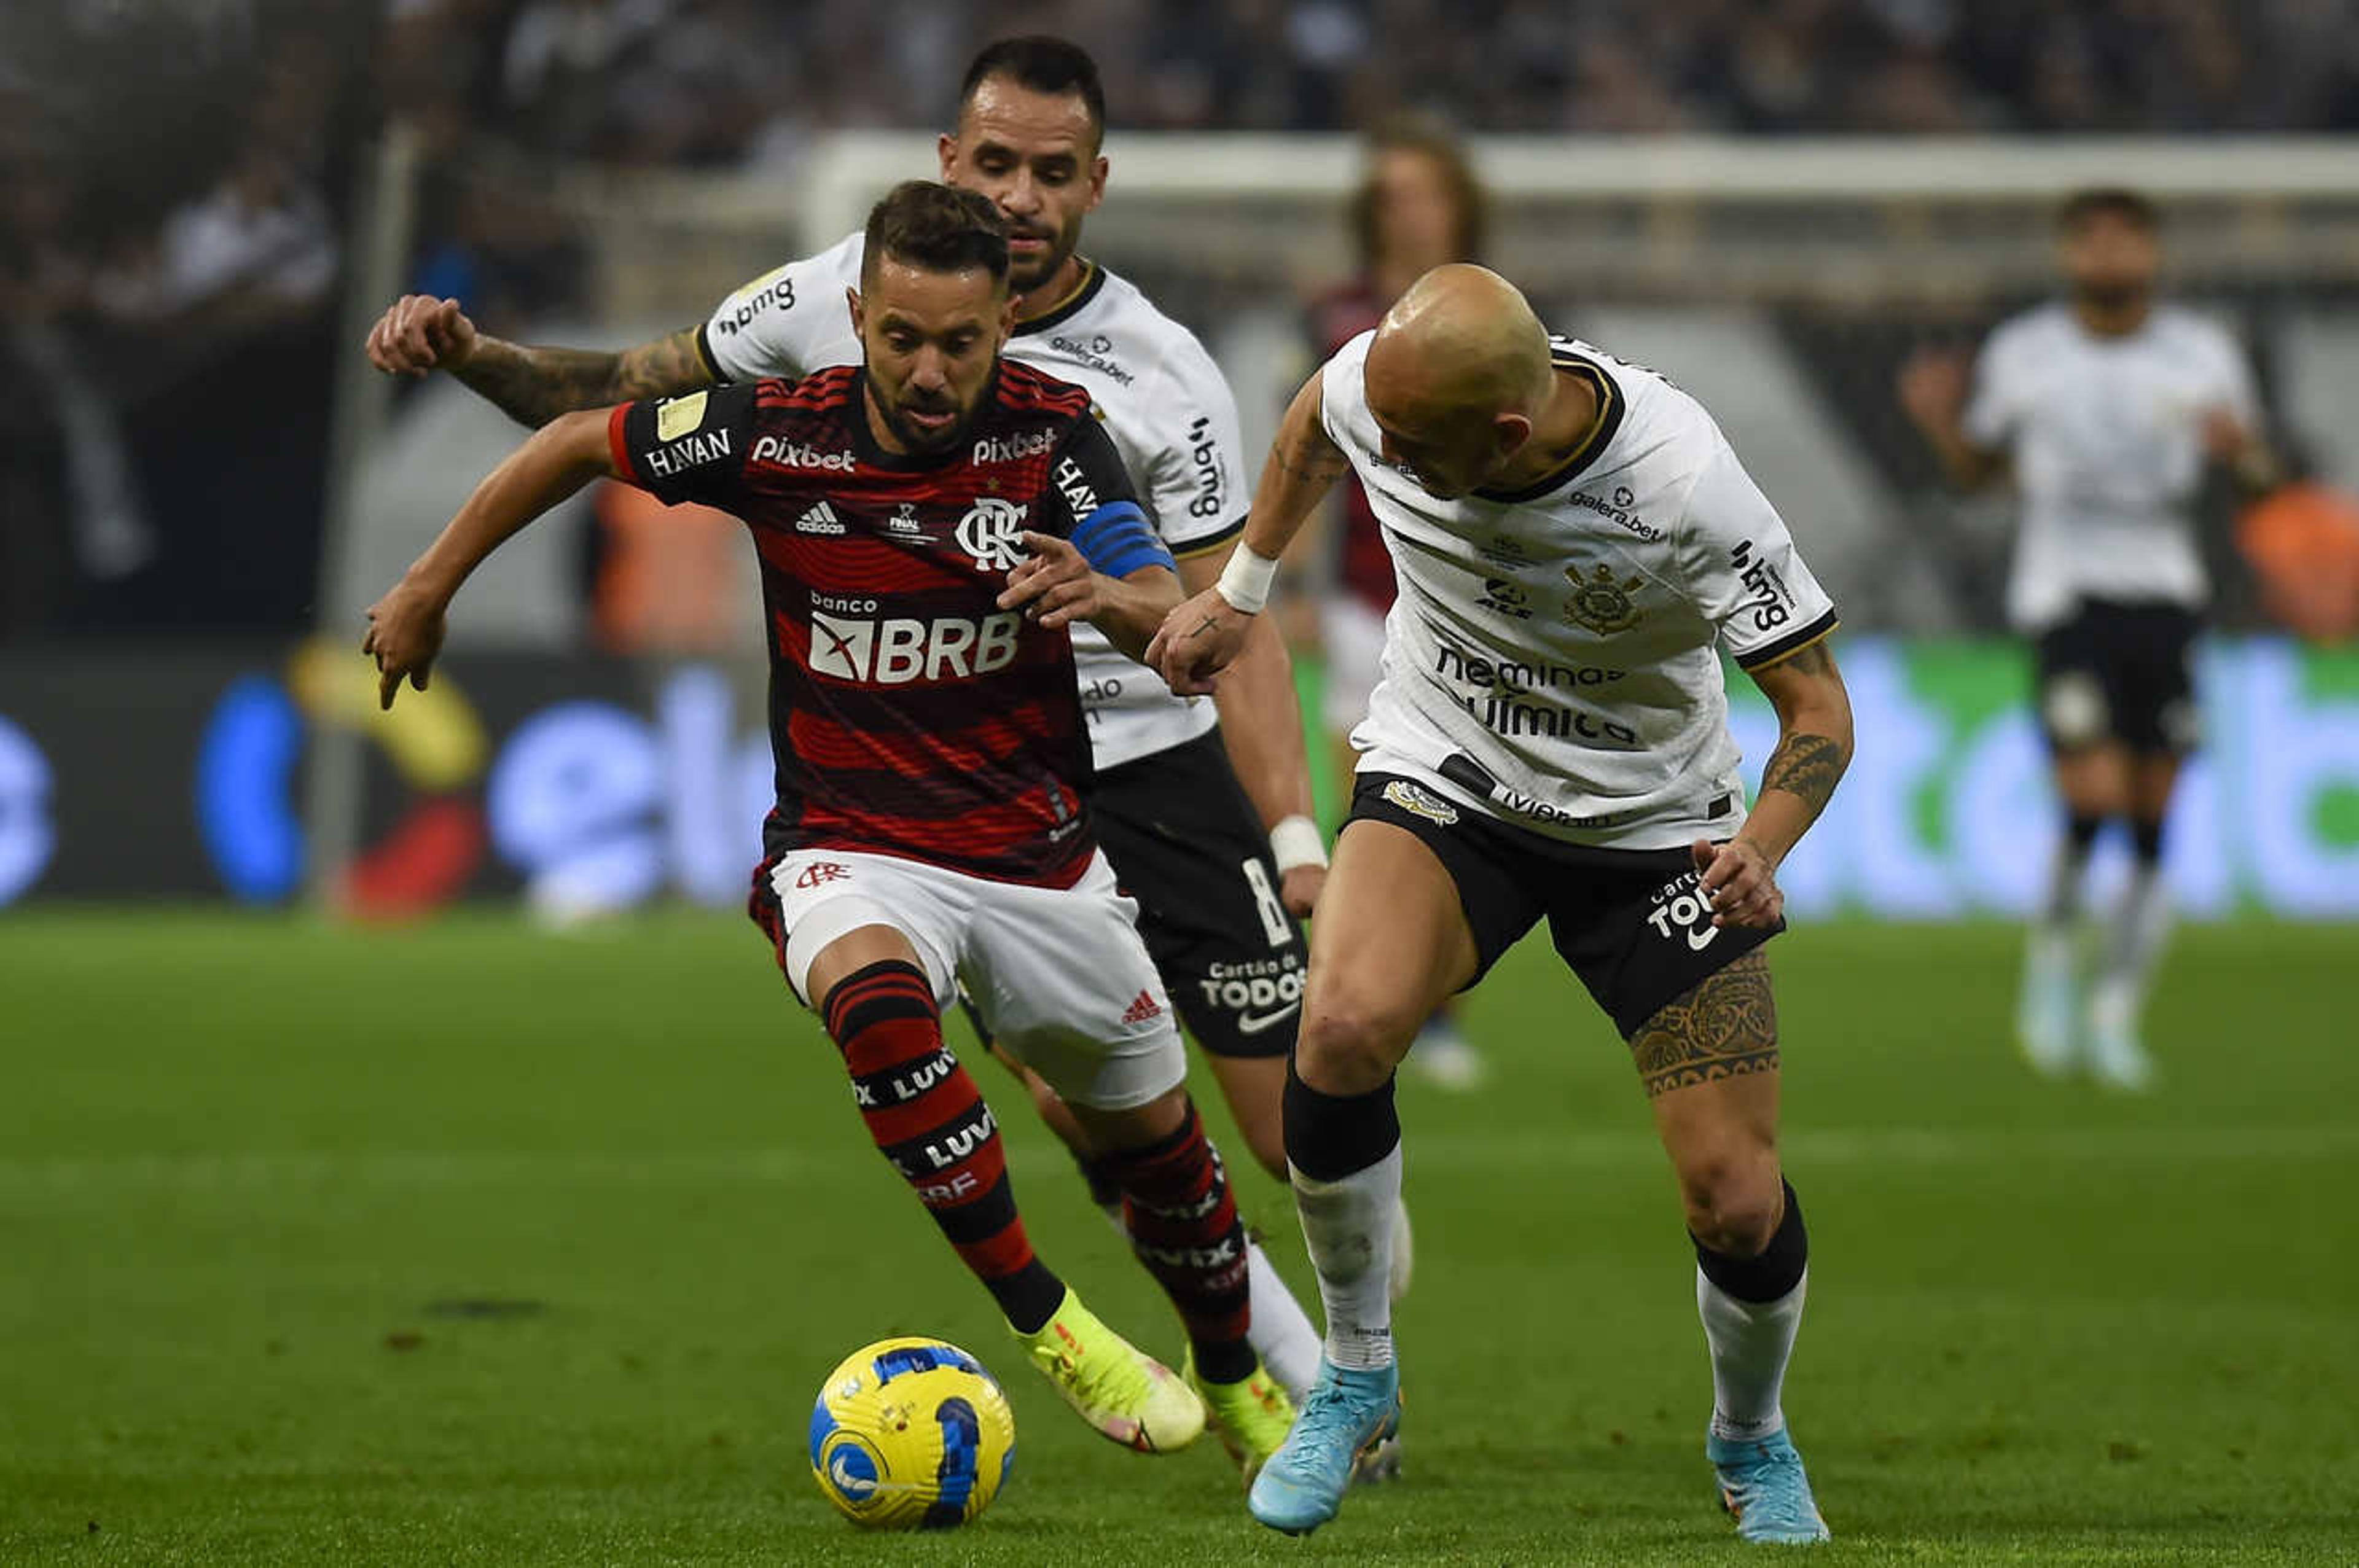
x,y
1205,634
1814,743
419,333
406,626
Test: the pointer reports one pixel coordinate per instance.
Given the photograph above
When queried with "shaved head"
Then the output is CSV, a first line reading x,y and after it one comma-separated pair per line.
x,y
1458,374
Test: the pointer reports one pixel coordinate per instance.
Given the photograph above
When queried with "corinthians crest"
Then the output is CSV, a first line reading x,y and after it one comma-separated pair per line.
x,y
1600,602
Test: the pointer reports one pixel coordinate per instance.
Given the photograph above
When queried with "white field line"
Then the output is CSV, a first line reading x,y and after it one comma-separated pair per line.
x,y
201,1172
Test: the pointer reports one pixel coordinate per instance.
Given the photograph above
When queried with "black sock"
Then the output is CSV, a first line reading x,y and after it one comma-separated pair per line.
x,y
2146,838
1328,1137
1771,1273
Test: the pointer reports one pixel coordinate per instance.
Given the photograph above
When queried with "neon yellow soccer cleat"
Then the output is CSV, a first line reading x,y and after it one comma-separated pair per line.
x,y
1251,1418
1131,1398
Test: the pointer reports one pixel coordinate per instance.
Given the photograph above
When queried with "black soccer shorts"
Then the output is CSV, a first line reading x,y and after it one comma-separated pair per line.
x,y
1631,922
2114,671
1187,844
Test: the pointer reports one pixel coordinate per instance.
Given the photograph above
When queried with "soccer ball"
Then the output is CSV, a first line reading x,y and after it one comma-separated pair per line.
x,y
912,1434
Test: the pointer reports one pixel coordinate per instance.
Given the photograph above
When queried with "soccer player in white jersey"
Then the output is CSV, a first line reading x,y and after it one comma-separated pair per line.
x,y
1575,543
1221,874
2106,407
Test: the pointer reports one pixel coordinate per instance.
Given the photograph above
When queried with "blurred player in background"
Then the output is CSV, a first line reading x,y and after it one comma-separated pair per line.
x,y
1220,872
1419,206
1551,738
2105,407
930,522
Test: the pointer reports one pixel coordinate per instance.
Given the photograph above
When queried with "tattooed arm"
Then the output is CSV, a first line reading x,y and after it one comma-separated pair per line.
x,y
1813,748
531,385
1814,739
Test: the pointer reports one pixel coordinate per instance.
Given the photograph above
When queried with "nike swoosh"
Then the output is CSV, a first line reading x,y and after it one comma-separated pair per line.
x,y
1699,944
845,1478
1247,1023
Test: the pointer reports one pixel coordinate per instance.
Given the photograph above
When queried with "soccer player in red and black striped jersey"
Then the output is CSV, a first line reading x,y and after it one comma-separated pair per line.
x,y
930,523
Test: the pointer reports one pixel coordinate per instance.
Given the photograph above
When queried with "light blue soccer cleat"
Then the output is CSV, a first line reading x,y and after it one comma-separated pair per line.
x,y
1344,1415
1763,1488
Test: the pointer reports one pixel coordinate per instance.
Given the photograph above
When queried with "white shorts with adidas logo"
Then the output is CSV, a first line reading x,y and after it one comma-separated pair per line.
x,y
1059,974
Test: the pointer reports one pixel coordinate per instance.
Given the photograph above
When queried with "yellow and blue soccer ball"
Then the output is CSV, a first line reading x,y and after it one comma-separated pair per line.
x,y
912,1434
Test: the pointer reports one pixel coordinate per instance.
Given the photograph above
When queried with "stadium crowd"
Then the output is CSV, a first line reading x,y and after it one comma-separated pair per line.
x,y
175,178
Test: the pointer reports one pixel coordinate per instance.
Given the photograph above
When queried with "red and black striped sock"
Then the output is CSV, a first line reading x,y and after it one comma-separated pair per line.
x,y
1184,1225
929,1118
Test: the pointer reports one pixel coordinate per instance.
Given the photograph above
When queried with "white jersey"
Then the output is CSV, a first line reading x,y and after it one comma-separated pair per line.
x,y
2106,438
1170,414
1553,657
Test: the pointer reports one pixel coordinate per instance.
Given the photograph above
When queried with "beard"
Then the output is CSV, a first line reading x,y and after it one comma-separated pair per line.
x,y
1025,277
2111,295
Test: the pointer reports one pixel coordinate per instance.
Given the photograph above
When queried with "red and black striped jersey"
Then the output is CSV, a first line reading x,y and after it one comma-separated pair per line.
x,y
909,715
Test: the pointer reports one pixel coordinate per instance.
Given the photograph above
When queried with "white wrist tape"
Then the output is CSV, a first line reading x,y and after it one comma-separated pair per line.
x,y
1296,842
1245,580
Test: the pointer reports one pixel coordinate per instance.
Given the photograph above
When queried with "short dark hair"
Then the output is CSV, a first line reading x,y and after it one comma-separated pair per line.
x,y
2108,201
1430,138
936,228
1044,64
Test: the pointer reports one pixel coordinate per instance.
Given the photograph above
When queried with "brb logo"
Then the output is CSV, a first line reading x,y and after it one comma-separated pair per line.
x,y
1679,909
898,651
992,532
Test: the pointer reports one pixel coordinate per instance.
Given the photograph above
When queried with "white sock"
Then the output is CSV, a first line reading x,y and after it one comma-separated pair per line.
x,y
1282,1333
2135,934
1348,1225
1751,1343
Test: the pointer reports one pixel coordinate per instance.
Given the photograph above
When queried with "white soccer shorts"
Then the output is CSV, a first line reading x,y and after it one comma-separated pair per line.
x,y
1059,974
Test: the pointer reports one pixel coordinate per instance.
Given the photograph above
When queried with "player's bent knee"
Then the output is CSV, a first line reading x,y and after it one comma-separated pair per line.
x,y
1733,1199
1347,1049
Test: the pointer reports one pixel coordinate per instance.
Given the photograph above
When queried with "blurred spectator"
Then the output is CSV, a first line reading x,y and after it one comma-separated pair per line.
x,y
170,223
168,254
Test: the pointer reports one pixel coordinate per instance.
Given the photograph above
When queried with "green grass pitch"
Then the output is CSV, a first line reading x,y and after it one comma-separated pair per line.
x,y
253,1171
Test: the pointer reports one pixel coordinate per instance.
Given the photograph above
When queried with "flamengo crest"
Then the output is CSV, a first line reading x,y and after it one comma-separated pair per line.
x,y
992,533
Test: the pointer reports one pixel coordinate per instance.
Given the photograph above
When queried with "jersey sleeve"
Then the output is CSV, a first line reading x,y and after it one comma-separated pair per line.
x,y
1343,390
1196,489
1742,569
687,449
787,322
1091,502
1994,401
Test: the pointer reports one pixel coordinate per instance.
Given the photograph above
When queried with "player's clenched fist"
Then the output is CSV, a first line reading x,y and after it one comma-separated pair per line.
x,y
404,634
1198,640
419,333
1738,883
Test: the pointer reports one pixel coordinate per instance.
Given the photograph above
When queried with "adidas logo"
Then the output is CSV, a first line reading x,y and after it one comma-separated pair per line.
x,y
1142,1009
820,519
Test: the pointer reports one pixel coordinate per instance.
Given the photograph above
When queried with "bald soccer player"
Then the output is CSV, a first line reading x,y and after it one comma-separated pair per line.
x,y
1575,543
